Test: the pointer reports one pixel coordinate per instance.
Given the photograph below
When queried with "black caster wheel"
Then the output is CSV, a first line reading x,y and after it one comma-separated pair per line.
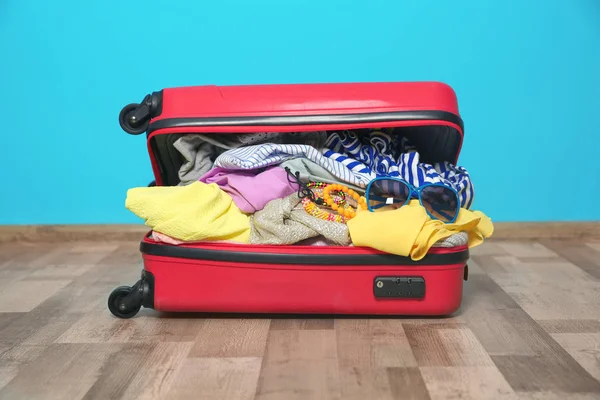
x,y
128,121
122,304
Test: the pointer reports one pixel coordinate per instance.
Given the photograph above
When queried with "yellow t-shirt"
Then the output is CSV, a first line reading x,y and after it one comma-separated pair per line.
x,y
193,212
409,231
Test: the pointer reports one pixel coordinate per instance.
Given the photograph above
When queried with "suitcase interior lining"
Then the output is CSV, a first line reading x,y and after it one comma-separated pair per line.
x,y
434,144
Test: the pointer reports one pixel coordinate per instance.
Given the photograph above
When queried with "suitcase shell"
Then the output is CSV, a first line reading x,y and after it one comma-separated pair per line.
x,y
240,278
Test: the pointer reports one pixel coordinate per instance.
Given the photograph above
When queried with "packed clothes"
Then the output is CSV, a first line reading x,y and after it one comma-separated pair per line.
x,y
285,221
313,189
394,156
252,190
190,213
309,171
200,150
414,231
263,155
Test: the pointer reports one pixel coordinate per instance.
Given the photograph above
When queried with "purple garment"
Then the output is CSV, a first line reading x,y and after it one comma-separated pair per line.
x,y
251,190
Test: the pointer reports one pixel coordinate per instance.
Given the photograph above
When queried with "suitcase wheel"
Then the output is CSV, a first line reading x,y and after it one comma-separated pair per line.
x,y
134,118
123,303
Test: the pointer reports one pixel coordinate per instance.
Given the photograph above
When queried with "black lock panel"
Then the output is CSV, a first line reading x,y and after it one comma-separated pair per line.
x,y
400,287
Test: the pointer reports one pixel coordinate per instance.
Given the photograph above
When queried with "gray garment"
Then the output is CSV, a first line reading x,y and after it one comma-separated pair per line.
x,y
235,140
198,156
200,150
458,239
313,172
284,221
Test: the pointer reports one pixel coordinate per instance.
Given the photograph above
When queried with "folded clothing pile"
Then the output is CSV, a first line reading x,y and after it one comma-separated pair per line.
x,y
273,188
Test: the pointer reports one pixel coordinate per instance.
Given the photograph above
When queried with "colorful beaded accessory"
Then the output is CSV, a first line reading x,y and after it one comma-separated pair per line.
x,y
312,209
347,212
312,197
339,198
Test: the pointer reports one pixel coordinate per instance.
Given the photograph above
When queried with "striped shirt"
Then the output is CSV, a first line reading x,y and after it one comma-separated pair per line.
x,y
395,156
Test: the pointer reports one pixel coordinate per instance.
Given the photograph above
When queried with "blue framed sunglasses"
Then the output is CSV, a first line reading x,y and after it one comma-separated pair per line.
x,y
387,193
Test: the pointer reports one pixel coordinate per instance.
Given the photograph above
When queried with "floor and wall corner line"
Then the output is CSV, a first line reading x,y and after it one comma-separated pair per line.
x,y
589,230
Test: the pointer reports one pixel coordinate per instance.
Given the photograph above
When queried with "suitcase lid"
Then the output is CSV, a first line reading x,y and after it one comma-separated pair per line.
x,y
430,106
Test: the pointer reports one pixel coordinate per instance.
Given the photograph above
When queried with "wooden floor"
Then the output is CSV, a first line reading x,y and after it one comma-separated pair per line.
x,y
529,328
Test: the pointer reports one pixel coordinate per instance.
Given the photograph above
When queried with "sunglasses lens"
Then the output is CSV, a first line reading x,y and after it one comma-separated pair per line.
x,y
441,202
387,194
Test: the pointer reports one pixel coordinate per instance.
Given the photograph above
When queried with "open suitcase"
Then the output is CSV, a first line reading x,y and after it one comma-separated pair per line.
x,y
232,278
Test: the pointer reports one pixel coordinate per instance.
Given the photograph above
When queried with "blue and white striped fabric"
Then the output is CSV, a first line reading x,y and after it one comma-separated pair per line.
x,y
394,156
259,156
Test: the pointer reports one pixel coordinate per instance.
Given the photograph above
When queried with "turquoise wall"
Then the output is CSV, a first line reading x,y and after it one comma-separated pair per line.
x,y
527,74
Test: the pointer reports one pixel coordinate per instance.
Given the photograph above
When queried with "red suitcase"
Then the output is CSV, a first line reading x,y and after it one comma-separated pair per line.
x,y
232,278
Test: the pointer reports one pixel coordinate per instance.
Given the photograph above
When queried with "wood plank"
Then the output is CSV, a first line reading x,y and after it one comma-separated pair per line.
x,y
476,383
166,329
539,373
407,383
25,295
231,378
158,372
127,255
549,289
359,383
488,264
64,271
498,334
373,343
483,293
7,318
570,325
119,370
26,260
231,338
526,249
62,371
547,395
490,248
31,255
578,253
550,368
96,328
446,345
594,245
30,323
12,359
300,364
279,324
584,348
51,329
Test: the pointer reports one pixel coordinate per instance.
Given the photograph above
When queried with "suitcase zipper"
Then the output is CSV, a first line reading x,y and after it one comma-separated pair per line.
x,y
279,258
294,120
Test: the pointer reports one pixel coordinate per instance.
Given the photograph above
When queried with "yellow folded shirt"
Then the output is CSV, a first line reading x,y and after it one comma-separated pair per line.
x,y
193,212
409,231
